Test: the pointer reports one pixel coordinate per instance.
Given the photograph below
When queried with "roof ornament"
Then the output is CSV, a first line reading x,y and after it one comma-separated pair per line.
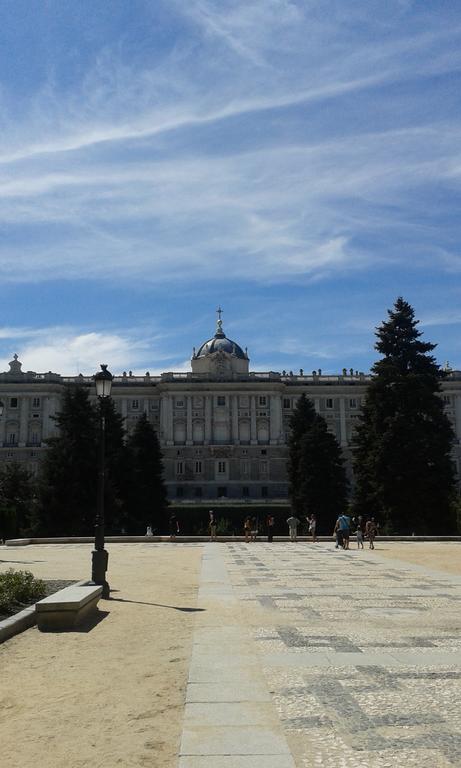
x,y
219,330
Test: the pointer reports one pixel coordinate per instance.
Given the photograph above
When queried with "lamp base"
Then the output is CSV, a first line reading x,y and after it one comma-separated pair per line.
x,y
99,561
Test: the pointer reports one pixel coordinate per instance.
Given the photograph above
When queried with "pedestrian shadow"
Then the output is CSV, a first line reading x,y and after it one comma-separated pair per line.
x,y
157,605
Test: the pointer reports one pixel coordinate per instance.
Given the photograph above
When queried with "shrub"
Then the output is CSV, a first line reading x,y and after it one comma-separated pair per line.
x,y
18,589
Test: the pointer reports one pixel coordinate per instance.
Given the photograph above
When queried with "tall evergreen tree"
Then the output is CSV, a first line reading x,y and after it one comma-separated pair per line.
x,y
68,478
146,497
317,479
402,446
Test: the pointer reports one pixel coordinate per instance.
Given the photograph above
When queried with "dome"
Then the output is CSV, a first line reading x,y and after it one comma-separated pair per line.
x,y
220,343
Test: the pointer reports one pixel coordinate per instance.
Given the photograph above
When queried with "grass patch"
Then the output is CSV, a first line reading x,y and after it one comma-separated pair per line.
x,y
18,589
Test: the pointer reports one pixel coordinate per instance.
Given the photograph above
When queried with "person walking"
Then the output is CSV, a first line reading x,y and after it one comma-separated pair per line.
x,y
371,530
212,525
344,523
312,523
293,523
270,523
174,526
254,529
247,529
337,532
359,533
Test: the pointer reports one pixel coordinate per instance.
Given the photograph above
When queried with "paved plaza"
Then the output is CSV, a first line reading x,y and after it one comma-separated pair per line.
x,y
292,656
309,656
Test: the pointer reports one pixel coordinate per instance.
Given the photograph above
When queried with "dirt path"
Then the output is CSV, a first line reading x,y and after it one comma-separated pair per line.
x,y
113,695
442,556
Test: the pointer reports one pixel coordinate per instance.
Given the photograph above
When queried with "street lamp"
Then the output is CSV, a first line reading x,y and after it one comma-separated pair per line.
x,y
103,382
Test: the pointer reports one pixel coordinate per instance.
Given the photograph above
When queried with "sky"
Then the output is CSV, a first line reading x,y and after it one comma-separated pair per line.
x,y
296,162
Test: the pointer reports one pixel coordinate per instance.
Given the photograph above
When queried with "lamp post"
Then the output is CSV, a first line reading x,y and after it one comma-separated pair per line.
x,y
100,557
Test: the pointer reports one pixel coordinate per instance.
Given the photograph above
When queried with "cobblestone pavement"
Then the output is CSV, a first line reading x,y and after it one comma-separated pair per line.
x,y
360,657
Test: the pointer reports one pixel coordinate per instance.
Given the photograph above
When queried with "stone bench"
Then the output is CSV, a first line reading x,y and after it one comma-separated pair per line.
x,y
68,607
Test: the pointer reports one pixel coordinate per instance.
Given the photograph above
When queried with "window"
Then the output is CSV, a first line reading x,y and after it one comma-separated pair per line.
x,y
221,467
221,400
263,467
222,492
32,454
198,492
264,491
263,452
353,402
12,438
286,402
263,400
179,491
179,467
198,467
447,399
36,402
9,454
245,491
245,452
35,438
245,467
179,403
329,402
13,402
135,404
35,415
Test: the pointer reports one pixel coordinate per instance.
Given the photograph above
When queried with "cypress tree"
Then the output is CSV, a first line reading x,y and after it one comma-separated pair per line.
x,y
146,498
323,483
317,478
300,423
402,447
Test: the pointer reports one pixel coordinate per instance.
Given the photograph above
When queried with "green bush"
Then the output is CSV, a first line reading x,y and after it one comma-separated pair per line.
x,y
19,589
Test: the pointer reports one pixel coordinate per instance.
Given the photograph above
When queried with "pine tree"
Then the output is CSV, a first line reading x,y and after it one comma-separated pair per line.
x,y
117,465
300,423
68,478
323,483
317,479
146,500
402,446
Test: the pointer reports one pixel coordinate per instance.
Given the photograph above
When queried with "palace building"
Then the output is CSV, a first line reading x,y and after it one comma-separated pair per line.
x,y
222,427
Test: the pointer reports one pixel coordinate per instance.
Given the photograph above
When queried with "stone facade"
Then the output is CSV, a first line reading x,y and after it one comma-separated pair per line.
x,y
222,428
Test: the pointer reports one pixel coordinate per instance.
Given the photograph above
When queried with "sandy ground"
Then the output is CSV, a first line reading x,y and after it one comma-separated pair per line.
x,y
440,556
112,695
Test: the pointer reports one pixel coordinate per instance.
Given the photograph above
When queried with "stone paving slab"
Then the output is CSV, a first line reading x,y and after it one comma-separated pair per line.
x,y
323,658
237,761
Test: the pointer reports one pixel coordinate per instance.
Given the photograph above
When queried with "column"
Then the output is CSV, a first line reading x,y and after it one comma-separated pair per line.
x,y
208,418
124,411
235,419
276,418
317,404
163,417
458,415
188,420
23,419
342,421
169,420
253,433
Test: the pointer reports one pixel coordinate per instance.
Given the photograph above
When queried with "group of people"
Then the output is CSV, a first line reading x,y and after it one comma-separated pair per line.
x,y
342,531
362,530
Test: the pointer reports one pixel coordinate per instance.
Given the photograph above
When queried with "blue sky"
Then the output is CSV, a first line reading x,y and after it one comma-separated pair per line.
x,y
296,161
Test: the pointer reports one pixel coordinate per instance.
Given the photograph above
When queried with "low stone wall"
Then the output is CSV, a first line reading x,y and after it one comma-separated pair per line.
x,y
198,539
